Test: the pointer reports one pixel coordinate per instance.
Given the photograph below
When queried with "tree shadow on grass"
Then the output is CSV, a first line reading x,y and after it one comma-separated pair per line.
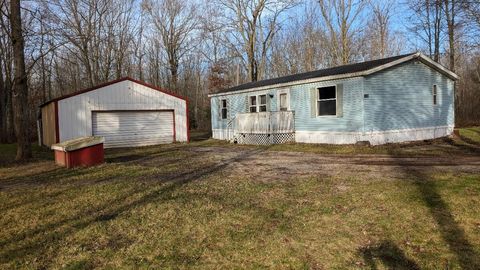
x,y
448,227
452,233
44,238
34,180
389,254
121,155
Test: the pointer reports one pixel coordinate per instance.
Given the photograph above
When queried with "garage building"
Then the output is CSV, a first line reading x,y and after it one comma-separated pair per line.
x,y
126,112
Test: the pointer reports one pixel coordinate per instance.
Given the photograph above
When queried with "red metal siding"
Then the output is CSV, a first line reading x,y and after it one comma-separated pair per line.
x,y
85,157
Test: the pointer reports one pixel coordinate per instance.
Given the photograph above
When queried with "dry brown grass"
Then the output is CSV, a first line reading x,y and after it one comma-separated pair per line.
x,y
212,205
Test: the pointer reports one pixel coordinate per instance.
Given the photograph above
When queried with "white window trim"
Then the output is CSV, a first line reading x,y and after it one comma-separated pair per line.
x,y
435,95
250,104
318,100
258,105
221,108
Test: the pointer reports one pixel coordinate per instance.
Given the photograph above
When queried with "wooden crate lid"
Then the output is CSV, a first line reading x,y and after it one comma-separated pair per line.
x,y
77,143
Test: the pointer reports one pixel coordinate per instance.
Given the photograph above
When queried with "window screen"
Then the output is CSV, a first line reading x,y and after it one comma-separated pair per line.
x,y
327,101
434,94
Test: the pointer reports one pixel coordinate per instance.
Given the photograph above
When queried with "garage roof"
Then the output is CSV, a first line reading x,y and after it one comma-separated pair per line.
x,y
168,92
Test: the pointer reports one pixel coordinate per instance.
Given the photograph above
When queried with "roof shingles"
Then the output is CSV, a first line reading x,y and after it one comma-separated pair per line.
x,y
345,69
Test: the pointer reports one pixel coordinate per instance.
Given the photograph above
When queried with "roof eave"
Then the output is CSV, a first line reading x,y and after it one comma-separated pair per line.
x,y
407,58
165,91
439,67
291,83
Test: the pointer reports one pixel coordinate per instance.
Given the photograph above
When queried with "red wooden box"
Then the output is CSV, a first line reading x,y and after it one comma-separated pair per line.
x,y
80,152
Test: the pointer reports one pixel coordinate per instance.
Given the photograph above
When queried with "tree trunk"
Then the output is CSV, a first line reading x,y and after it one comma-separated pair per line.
x,y
174,73
3,108
9,109
20,87
437,30
252,67
450,15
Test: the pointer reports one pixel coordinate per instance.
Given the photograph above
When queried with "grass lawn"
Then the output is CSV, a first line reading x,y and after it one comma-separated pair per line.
x,y
210,204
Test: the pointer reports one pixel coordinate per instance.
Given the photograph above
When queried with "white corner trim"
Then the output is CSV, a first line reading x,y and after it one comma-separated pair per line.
x,y
418,55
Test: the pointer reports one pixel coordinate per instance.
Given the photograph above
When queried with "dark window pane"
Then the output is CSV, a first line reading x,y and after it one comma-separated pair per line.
x,y
263,99
327,92
253,100
224,103
253,109
327,107
434,99
224,113
262,108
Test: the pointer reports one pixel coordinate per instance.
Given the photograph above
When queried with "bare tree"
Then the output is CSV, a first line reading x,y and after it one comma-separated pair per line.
x,y
379,29
20,86
472,16
6,110
252,26
175,21
199,47
342,19
450,9
472,10
3,104
297,51
98,34
427,24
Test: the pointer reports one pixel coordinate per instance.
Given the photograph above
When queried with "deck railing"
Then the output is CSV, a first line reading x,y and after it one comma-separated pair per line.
x,y
265,123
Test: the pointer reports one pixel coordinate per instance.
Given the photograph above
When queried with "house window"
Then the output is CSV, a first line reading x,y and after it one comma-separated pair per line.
x,y
283,102
327,101
257,103
224,108
434,94
262,107
253,104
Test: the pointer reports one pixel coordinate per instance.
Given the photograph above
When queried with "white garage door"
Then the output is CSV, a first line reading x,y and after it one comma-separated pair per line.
x,y
133,128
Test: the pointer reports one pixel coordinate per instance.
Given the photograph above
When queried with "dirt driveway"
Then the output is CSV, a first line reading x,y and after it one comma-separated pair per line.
x,y
282,165
189,162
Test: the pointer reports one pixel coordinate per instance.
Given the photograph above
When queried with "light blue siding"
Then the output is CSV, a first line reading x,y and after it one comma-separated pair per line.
x,y
217,122
401,98
352,119
237,103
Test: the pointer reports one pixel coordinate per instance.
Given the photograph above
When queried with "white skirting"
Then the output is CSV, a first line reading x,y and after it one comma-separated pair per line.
x,y
222,134
374,137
